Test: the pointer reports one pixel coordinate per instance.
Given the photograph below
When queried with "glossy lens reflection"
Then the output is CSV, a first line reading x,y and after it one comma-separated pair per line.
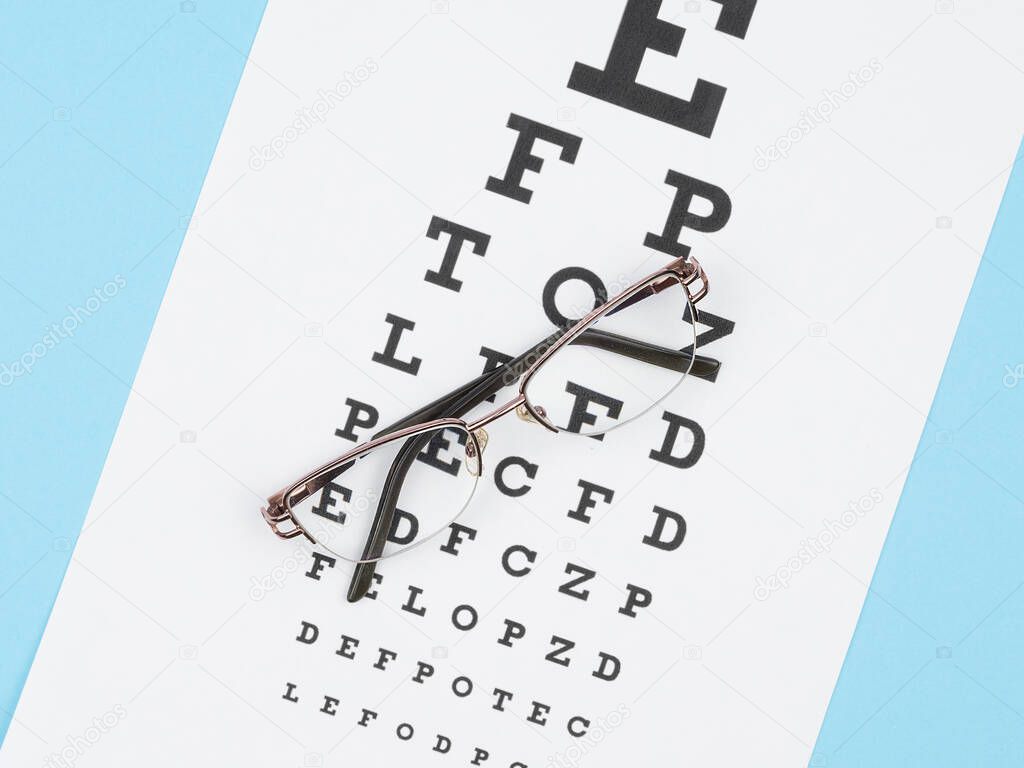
x,y
622,365
390,498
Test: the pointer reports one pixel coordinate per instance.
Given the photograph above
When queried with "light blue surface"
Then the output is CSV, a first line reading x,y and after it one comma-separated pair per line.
x,y
934,676
111,112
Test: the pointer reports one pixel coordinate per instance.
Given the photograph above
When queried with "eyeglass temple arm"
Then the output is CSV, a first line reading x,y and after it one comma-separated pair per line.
x,y
454,404
487,384
490,382
461,400
362,577
663,357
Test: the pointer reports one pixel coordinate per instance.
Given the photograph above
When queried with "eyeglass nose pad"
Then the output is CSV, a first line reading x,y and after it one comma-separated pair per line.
x,y
524,413
473,462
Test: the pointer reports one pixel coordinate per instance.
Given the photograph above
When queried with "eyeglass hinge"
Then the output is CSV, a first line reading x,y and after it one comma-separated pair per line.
x,y
275,515
691,271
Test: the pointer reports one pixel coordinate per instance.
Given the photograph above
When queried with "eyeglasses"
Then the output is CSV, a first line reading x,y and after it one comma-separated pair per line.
x,y
415,477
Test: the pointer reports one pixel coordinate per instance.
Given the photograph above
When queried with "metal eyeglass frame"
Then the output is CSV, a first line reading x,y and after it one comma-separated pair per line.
x,y
446,411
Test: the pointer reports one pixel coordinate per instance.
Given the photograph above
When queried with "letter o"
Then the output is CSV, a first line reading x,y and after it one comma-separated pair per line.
x,y
560,278
459,610
468,686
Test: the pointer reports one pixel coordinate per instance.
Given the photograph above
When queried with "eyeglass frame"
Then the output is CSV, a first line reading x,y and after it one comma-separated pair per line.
x,y
280,506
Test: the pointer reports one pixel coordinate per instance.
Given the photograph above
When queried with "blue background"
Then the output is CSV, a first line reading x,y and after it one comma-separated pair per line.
x,y
934,675
112,111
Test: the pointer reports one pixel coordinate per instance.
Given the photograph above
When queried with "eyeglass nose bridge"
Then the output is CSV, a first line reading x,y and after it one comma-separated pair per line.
x,y
526,412
478,436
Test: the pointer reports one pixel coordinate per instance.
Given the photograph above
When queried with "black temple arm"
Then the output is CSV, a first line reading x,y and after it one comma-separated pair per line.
x,y
362,576
443,407
487,384
664,357
458,402
452,405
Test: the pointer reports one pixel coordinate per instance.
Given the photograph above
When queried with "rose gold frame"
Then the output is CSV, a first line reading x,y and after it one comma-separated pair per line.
x,y
279,507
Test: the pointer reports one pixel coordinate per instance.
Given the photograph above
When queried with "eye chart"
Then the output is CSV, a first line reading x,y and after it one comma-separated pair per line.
x,y
408,194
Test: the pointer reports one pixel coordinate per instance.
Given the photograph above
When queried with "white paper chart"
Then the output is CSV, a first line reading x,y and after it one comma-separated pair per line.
x,y
405,194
